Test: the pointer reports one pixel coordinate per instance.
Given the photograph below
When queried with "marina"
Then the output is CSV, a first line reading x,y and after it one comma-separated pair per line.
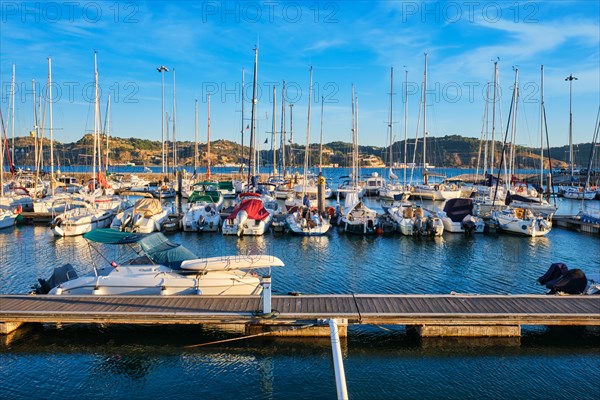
x,y
352,200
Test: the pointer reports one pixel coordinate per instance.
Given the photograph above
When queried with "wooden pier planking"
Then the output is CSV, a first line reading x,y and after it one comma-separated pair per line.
x,y
413,310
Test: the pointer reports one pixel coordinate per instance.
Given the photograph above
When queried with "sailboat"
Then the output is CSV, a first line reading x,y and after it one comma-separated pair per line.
x,y
305,220
519,220
393,190
426,190
79,216
356,216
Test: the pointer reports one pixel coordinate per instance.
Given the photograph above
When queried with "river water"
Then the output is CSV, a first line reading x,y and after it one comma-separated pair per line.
x,y
114,362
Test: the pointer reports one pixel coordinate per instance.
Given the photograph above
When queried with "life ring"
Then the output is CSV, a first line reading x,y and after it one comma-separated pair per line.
x,y
56,222
436,187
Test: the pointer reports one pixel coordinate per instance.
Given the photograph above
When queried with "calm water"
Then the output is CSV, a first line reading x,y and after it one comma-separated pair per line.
x,y
75,362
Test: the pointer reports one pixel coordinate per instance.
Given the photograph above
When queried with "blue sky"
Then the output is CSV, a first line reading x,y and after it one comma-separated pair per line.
x,y
350,42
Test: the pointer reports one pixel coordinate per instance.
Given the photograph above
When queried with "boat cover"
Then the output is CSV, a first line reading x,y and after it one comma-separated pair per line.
x,y
155,245
254,207
148,207
458,209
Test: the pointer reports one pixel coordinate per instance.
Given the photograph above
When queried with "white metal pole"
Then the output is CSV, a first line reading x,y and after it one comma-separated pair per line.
x,y
338,362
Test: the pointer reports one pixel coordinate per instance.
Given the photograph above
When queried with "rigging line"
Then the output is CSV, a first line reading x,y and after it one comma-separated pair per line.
x,y
357,308
248,336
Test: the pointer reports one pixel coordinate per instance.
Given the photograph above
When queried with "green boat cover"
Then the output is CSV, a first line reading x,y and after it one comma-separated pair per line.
x,y
155,245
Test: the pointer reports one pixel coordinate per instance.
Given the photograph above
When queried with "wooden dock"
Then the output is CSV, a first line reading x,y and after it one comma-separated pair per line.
x,y
574,223
431,315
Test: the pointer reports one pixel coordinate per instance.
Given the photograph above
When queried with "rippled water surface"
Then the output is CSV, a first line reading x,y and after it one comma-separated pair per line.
x,y
75,362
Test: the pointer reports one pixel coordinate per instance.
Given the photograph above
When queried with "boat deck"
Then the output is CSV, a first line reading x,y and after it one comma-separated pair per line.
x,y
411,310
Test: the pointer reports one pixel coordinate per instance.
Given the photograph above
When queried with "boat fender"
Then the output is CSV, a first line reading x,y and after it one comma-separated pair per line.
x,y
137,220
126,220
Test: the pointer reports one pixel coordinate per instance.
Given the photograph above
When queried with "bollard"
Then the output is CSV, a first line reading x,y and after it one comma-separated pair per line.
x,y
266,284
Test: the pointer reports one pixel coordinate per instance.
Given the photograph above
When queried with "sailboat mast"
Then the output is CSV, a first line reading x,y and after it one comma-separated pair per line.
x,y
251,167
291,146
174,123
542,130
321,137
208,143
511,164
310,88
35,125
196,137
274,130
107,130
12,124
571,78
405,121
242,143
283,129
391,110
425,122
51,126
352,130
95,118
492,153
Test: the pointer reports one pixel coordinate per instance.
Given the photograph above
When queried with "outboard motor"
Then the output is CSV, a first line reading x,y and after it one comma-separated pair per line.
x,y
468,224
60,275
555,271
559,278
573,281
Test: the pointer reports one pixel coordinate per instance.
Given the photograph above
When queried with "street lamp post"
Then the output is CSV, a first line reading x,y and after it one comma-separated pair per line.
x,y
162,69
571,78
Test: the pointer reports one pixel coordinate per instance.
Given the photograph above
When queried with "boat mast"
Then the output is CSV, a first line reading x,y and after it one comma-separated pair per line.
x,y
310,88
511,163
196,137
283,130
174,124
274,130
571,78
352,131
208,142
107,129
425,122
35,125
405,120
494,118
321,137
391,110
95,119
162,69
251,167
242,151
542,130
291,146
51,127
12,125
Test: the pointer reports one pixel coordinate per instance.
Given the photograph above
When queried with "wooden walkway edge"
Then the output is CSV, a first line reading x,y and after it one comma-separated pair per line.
x,y
441,314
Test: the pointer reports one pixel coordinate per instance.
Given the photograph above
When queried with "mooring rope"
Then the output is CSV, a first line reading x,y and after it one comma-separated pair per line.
x,y
248,336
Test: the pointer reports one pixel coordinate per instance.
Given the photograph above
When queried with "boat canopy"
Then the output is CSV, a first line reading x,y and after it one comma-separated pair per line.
x,y
254,207
155,245
147,207
458,209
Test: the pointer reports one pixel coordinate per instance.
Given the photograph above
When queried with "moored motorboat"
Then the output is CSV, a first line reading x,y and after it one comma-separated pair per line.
x,y
165,268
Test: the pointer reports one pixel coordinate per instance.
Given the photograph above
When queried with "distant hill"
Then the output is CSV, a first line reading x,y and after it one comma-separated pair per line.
x,y
448,151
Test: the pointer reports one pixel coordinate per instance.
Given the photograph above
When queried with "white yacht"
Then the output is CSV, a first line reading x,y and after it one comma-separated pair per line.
x,y
249,217
146,216
80,217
